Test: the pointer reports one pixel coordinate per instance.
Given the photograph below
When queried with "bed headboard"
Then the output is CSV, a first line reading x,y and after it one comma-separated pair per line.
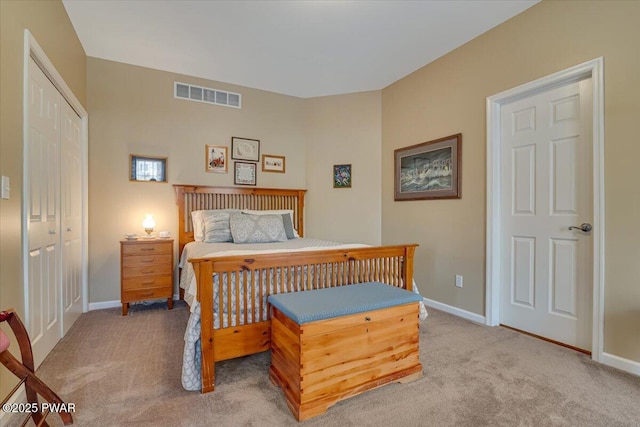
x,y
200,197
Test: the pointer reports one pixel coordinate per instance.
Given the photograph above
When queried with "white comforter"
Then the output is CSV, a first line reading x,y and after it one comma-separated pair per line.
x,y
191,365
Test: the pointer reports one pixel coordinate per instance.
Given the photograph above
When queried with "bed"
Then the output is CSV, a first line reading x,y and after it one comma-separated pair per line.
x,y
226,285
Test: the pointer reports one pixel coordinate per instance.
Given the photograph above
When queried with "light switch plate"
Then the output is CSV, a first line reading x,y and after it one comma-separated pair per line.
x,y
5,187
458,281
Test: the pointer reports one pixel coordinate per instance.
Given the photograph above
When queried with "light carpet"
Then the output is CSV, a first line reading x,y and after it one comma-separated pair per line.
x,y
125,371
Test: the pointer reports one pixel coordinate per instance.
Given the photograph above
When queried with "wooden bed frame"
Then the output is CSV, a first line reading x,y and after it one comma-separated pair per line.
x,y
293,272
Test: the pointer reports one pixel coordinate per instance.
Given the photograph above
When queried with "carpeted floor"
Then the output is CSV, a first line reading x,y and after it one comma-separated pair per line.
x,y
125,371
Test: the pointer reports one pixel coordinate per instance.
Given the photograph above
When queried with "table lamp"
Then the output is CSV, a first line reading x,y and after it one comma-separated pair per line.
x,y
148,224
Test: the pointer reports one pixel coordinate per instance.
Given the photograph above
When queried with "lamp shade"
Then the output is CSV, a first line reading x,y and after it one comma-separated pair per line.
x,y
148,222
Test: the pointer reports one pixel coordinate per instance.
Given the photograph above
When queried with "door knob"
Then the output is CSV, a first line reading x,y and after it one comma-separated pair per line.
x,y
585,226
52,231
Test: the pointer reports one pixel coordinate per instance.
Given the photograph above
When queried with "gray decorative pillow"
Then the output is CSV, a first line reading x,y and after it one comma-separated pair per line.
x,y
247,228
216,226
288,226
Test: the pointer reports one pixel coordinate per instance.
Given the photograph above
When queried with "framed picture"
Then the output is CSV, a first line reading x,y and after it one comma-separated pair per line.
x,y
216,156
245,149
147,168
271,163
341,176
244,173
430,170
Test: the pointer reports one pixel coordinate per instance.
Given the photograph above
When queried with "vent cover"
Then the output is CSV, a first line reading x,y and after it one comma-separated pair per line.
x,y
208,95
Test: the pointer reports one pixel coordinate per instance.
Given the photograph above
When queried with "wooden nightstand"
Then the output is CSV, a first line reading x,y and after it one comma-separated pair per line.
x,y
146,271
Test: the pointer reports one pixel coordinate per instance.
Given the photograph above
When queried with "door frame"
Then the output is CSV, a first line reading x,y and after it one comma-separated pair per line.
x,y
33,50
593,69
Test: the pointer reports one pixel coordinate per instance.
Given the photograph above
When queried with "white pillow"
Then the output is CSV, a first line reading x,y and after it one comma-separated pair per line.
x,y
274,212
198,225
198,220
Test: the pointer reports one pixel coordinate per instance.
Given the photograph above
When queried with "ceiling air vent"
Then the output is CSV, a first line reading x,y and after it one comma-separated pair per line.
x,y
207,95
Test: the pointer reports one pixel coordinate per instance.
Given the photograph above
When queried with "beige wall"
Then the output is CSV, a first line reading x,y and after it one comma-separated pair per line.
x,y
448,96
133,111
344,129
50,26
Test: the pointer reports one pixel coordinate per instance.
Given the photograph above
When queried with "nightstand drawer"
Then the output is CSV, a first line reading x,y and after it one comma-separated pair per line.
x,y
147,260
147,248
150,270
139,283
145,294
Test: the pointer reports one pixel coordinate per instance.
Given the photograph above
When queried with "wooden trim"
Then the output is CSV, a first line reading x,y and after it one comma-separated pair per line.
x,y
587,352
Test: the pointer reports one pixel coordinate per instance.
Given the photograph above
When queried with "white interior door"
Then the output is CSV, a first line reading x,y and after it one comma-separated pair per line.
x,y
71,210
546,179
43,213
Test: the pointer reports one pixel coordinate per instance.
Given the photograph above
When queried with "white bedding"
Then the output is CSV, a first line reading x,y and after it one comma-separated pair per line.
x,y
191,379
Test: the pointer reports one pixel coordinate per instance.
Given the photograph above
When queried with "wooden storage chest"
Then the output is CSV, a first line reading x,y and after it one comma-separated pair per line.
x,y
331,344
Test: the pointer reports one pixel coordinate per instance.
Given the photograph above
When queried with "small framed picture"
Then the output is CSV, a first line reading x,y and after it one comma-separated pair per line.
x,y
244,173
245,149
147,168
341,176
271,163
216,156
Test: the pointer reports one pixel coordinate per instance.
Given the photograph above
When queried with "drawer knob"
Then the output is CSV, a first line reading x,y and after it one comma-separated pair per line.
x,y
368,319
147,294
148,249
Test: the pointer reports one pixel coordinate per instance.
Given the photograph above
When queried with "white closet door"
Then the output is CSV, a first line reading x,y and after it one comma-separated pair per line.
x,y
71,210
43,213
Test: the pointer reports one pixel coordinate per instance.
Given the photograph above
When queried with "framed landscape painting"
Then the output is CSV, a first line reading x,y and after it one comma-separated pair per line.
x,y
430,170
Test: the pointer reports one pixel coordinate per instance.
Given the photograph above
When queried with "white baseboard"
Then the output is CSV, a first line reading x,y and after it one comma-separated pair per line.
x,y
473,317
19,397
104,304
608,359
116,303
621,363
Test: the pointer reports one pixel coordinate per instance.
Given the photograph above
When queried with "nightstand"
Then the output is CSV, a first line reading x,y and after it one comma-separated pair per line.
x,y
146,271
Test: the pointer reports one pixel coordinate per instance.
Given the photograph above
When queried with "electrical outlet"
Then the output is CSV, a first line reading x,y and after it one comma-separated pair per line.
x,y
5,187
458,281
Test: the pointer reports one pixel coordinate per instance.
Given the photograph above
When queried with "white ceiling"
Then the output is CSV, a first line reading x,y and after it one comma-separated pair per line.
x,y
299,48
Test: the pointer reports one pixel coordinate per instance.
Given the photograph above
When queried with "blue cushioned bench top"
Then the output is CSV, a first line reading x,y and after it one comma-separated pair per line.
x,y
319,304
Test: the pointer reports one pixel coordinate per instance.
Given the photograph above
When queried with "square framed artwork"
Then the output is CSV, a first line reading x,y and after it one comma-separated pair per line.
x,y
245,149
244,173
342,176
271,163
216,159
430,170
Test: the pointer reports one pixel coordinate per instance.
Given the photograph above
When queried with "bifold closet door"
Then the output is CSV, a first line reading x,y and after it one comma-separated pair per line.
x,y
54,178
71,215
42,165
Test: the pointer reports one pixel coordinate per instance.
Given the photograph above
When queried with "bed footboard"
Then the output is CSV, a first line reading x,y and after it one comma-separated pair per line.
x,y
245,323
